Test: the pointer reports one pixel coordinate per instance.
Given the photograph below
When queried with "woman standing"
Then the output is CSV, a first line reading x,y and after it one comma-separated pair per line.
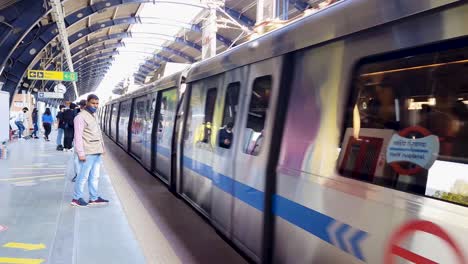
x,y
47,121
35,122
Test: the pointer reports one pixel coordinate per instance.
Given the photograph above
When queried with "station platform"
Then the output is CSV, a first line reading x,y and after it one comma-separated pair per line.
x,y
143,223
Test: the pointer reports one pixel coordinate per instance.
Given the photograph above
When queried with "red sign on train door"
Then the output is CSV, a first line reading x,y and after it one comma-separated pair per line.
x,y
394,249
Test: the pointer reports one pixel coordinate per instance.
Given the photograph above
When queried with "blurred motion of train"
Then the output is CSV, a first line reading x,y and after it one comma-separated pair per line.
x,y
349,139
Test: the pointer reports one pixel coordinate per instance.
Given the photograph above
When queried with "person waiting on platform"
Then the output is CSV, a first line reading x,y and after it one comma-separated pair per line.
x,y
61,127
226,136
89,147
20,119
35,117
68,118
76,162
47,122
82,105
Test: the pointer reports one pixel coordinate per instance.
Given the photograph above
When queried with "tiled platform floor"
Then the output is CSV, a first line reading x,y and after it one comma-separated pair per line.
x,y
144,223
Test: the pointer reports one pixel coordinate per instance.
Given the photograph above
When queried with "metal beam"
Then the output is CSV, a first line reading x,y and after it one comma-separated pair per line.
x,y
58,16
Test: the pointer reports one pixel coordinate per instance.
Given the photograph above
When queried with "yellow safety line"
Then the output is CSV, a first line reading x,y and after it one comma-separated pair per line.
x,y
52,178
35,168
27,181
21,260
32,177
24,246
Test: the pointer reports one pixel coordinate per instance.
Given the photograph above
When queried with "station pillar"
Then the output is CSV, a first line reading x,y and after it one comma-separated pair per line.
x,y
271,10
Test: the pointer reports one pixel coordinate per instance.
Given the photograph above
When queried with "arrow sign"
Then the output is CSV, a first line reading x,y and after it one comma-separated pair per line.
x,y
347,238
21,260
24,246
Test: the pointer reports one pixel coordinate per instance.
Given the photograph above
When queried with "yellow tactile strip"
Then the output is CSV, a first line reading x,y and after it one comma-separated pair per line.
x,y
154,245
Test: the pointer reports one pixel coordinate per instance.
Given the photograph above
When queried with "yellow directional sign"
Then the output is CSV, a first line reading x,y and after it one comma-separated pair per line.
x,y
24,246
21,260
52,75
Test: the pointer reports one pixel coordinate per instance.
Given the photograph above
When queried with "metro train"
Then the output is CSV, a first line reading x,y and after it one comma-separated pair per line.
x,y
349,139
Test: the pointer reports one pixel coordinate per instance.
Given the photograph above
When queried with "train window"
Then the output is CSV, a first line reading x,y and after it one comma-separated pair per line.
x,y
407,125
113,120
209,114
225,135
166,116
230,103
200,114
258,108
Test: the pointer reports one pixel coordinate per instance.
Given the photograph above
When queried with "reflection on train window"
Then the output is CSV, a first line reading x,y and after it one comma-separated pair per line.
x,y
225,135
124,116
230,103
113,120
209,113
407,127
258,108
166,116
139,116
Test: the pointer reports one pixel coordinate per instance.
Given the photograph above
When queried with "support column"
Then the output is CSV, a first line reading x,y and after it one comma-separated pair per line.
x,y
209,35
272,9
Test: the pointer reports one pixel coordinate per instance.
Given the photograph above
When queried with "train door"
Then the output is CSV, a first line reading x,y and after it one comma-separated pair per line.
x,y
253,153
222,200
106,120
124,118
138,127
177,140
199,143
164,124
148,130
113,120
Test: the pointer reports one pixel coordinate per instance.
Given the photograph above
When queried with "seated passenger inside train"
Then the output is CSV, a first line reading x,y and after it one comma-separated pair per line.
x,y
226,136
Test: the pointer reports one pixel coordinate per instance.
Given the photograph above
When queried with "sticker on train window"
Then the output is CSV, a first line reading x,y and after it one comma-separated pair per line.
x,y
413,145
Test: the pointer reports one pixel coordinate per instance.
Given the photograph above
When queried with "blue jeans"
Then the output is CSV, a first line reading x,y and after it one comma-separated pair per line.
x,y
21,128
88,172
60,137
36,128
76,164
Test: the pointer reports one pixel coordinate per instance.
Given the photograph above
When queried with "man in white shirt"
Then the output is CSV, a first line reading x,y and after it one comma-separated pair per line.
x,y
20,119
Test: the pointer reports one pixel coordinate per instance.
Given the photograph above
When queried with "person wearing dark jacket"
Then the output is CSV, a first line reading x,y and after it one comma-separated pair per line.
x,y
68,117
35,122
47,121
61,127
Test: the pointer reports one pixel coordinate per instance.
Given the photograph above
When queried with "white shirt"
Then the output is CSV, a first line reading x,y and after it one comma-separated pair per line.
x,y
20,117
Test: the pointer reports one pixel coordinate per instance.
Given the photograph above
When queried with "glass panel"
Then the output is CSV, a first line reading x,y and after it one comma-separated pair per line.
x,y
123,122
226,135
200,116
258,109
114,117
166,118
138,125
408,125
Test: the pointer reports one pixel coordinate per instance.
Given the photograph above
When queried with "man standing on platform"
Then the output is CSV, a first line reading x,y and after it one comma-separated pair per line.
x,y
61,127
76,161
89,147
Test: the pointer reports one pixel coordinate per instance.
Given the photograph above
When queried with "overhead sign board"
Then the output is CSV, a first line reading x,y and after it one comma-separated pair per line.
x,y
50,95
52,75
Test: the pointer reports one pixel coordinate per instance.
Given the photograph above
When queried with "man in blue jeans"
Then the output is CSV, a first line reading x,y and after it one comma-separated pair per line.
x,y
20,119
89,147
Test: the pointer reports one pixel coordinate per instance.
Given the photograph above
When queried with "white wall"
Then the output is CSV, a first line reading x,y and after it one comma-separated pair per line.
x,y
4,116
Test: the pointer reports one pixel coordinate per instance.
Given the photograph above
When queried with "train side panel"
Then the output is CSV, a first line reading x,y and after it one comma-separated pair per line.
x,y
323,217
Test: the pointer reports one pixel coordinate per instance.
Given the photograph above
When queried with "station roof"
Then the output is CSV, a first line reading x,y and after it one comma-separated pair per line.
x,y
113,39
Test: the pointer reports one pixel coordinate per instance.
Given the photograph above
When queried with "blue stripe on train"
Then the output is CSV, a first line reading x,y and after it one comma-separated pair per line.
x,y
303,217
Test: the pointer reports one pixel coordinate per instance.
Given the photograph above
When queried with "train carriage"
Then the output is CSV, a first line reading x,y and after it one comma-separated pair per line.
x,y
349,139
